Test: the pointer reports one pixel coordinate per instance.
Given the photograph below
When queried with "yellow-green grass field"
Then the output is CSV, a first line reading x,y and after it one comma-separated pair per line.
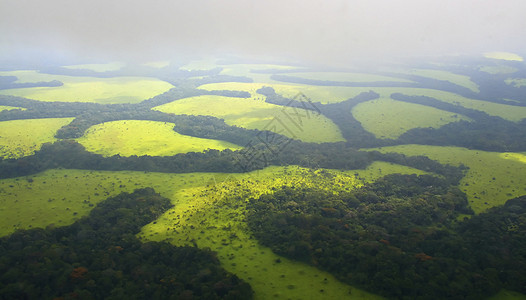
x,y
458,79
492,179
134,137
508,112
335,94
499,69
388,119
6,107
503,56
237,69
88,89
516,82
202,215
20,138
322,94
296,123
113,66
246,70
213,217
346,77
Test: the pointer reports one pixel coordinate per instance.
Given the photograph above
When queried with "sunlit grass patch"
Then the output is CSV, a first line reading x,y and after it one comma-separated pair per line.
x,y
498,69
246,70
346,77
458,79
307,126
6,107
508,112
520,157
113,66
516,82
88,89
133,137
388,118
503,55
201,215
20,138
237,86
492,179
214,217
322,94
62,196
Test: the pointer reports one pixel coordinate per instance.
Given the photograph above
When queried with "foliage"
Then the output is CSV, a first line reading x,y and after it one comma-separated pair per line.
x,y
397,237
99,257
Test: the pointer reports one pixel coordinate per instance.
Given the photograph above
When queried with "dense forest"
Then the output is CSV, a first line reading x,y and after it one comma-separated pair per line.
x,y
398,237
99,257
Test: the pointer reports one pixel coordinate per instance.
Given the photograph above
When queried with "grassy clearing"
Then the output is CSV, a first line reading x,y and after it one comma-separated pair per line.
x,y
113,66
295,123
508,112
388,118
88,89
503,56
237,69
20,138
211,217
62,196
492,179
322,94
516,82
132,137
502,69
200,216
457,79
347,77
5,107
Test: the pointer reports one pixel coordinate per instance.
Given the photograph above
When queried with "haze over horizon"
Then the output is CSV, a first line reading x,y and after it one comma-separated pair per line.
x,y
325,32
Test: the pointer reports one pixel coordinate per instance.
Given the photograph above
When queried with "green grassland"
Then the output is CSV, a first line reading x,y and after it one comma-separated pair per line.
x,y
499,69
255,114
237,69
458,79
322,94
133,137
508,112
5,107
492,178
113,66
335,94
20,138
62,196
503,56
346,77
88,89
388,118
516,82
208,212
213,216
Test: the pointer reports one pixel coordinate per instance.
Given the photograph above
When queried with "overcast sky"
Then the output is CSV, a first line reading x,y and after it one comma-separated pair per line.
x,y
318,30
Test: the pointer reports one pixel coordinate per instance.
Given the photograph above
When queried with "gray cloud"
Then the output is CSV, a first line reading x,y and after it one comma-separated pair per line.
x,y
320,30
